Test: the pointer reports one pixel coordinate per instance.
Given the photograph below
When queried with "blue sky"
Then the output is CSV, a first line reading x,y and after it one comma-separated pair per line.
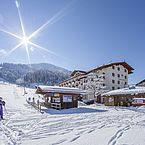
x,y
87,34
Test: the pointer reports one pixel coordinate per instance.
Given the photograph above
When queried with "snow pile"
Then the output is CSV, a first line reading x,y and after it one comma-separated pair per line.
x,y
80,103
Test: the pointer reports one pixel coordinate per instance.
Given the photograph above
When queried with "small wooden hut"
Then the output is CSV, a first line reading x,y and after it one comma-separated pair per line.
x,y
60,97
123,97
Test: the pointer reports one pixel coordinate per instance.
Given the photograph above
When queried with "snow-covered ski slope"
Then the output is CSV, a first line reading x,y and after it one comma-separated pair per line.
x,y
86,125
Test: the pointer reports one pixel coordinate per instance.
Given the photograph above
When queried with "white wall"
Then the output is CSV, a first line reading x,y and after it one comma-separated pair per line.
x,y
98,82
122,79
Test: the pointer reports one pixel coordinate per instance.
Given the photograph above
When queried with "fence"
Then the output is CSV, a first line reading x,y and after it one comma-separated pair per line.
x,y
56,105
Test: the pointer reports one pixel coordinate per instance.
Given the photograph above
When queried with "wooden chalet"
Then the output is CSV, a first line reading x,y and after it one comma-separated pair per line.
x,y
123,97
60,97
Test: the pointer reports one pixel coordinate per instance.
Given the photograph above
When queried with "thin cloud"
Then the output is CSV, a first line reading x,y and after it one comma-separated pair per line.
x,y
2,53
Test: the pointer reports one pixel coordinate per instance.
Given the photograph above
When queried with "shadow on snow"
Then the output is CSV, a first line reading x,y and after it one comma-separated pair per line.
x,y
71,111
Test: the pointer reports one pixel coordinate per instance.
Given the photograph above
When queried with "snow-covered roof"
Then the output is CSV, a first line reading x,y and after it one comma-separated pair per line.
x,y
56,89
126,91
126,65
138,98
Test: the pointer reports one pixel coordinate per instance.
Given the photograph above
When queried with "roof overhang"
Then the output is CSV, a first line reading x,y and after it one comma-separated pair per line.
x,y
125,91
56,89
126,65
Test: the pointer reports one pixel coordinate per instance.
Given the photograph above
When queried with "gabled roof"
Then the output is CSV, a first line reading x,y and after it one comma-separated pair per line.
x,y
75,71
126,65
84,73
140,82
56,89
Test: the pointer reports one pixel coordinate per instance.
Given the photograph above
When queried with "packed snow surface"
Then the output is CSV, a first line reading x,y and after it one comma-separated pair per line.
x,y
86,125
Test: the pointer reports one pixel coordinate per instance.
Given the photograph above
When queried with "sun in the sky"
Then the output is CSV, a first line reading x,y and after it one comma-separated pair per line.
x,y
26,40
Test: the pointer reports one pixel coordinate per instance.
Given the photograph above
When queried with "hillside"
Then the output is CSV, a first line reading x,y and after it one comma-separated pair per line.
x,y
38,73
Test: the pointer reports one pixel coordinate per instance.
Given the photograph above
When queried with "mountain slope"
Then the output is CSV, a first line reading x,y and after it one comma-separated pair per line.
x,y
38,73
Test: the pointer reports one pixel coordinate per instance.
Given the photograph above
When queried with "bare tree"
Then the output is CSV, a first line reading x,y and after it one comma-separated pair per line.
x,y
95,84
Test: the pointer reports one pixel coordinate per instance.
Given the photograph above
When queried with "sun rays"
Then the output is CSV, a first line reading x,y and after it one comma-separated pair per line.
x,y
25,41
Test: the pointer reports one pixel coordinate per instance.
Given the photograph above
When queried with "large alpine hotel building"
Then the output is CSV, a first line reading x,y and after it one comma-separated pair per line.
x,y
101,79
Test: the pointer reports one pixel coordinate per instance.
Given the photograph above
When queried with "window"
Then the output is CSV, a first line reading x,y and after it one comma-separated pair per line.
x,y
118,68
118,88
113,67
125,77
125,70
118,82
113,81
92,79
56,99
113,88
118,75
113,74
67,98
103,77
103,84
125,83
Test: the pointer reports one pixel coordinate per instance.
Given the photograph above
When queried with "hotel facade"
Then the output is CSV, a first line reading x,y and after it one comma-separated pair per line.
x,y
101,79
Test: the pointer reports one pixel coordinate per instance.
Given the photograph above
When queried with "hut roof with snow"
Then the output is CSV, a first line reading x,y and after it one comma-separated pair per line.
x,y
126,91
60,97
56,89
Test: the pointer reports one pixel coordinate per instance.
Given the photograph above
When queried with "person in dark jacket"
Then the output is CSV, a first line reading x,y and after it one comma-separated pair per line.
x,y
2,103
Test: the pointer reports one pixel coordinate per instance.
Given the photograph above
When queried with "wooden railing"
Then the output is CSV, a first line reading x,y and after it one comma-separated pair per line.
x,y
56,105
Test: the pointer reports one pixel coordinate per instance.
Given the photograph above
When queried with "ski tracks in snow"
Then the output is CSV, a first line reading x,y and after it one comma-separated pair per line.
x,y
18,121
16,126
24,124
11,136
117,135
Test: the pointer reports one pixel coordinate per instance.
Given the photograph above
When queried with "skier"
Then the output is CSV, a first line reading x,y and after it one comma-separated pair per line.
x,y
2,103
